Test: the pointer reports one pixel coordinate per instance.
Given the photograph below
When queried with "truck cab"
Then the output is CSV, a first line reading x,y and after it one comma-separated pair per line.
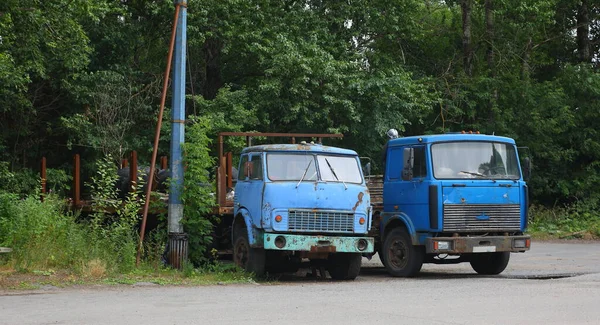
x,y
452,198
296,201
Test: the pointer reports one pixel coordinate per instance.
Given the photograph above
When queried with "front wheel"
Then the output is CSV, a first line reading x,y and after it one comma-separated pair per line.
x,y
248,258
344,266
490,263
400,257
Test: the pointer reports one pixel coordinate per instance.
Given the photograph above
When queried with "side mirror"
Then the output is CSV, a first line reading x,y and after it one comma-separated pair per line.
x,y
526,168
408,158
367,169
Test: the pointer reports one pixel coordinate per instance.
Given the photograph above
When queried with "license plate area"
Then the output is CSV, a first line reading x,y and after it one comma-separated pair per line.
x,y
484,249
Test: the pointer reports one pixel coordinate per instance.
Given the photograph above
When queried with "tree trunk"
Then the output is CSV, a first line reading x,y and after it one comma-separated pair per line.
x,y
212,56
583,32
489,55
489,31
466,37
525,63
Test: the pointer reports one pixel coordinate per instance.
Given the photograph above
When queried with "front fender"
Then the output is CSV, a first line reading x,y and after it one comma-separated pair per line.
x,y
392,220
255,235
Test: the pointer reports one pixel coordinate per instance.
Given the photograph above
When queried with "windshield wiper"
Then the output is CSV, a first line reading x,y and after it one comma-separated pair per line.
x,y
304,175
473,173
334,175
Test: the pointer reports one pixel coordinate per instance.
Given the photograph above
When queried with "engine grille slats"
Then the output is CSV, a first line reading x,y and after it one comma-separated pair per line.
x,y
310,220
467,217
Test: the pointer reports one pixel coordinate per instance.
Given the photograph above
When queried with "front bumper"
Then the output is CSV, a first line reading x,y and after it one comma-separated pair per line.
x,y
458,245
318,244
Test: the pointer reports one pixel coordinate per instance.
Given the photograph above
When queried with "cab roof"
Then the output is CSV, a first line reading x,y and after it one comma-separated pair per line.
x,y
308,147
448,137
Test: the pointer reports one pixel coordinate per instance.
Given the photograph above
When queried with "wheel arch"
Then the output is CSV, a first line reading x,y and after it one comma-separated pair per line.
x,y
242,222
399,221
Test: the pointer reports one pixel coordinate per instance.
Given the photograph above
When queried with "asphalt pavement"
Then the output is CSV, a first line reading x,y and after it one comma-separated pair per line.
x,y
554,283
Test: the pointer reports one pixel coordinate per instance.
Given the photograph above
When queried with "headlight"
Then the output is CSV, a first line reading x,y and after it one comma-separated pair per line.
x,y
442,245
521,243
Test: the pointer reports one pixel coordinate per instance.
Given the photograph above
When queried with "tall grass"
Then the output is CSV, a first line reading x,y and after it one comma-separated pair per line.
x,y
579,220
45,235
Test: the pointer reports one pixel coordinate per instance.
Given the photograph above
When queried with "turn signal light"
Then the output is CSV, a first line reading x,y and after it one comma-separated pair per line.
x,y
278,218
361,220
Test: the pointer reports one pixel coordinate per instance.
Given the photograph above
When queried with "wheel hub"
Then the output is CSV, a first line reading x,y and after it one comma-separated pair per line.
x,y
398,254
241,254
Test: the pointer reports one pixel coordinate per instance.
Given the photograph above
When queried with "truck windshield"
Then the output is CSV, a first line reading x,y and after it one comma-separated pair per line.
x,y
480,160
296,167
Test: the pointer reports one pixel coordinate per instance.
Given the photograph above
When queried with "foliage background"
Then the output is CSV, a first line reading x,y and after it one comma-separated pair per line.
x,y
83,76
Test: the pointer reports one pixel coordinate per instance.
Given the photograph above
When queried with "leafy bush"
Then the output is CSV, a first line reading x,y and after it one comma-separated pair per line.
x,y
41,234
580,220
22,182
198,195
44,235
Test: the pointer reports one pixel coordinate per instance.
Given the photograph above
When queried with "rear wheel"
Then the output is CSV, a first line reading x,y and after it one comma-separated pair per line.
x,y
400,257
248,258
490,263
344,266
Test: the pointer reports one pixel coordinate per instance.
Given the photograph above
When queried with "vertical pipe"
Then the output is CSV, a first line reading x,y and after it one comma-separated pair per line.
x,y
222,180
163,162
157,134
229,169
43,177
220,169
76,181
178,123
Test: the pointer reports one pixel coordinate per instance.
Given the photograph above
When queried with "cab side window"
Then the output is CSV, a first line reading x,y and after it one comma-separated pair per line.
x,y
420,163
244,166
256,167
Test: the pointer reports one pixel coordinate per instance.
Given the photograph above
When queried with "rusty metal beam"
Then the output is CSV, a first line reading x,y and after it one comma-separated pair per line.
x,y
222,181
163,162
43,177
76,181
285,135
229,156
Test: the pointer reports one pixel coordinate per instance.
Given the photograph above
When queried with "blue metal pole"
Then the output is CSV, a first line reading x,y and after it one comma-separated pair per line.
x,y
178,122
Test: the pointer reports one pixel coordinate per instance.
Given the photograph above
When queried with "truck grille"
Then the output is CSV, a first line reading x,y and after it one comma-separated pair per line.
x,y
321,220
482,217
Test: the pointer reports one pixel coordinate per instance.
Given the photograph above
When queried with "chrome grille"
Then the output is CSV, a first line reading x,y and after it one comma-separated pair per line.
x,y
321,220
467,217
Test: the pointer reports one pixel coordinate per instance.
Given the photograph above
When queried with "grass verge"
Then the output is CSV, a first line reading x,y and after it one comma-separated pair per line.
x,y
574,222
216,274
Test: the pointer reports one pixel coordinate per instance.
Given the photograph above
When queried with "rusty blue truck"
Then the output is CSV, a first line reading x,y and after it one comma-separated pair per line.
x,y
293,204
450,198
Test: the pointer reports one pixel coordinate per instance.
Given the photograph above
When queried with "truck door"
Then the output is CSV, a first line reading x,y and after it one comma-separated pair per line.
x,y
408,196
249,188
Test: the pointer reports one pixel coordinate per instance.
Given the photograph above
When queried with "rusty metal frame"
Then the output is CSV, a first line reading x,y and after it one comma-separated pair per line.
x,y
76,181
43,178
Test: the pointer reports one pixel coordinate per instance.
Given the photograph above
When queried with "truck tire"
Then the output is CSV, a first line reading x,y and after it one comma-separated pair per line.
x,y
400,257
344,266
490,263
246,257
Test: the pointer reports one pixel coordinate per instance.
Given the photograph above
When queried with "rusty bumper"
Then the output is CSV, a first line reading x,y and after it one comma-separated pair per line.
x,y
458,245
319,244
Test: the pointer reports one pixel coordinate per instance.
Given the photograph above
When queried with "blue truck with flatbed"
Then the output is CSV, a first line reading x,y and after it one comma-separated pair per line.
x,y
294,202
450,198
